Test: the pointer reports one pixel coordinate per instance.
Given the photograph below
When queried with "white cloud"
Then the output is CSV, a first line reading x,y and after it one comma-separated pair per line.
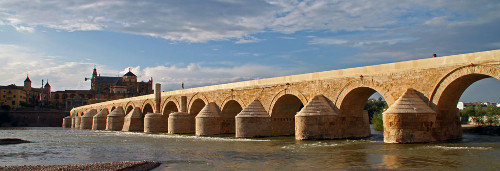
x,y
19,61
237,20
357,43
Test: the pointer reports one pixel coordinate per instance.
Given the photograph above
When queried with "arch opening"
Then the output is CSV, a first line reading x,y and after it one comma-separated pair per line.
x,y
169,108
449,119
283,115
196,107
112,108
228,113
147,109
357,109
129,108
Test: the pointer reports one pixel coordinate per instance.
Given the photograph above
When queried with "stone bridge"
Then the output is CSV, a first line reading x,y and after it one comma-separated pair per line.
x,y
422,95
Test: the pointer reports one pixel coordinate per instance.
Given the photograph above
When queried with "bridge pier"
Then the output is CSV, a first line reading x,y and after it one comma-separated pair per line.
x,y
317,120
73,121
409,120
87,119
115,119
78,120
208,121
133,121
67,122
99,121
253,121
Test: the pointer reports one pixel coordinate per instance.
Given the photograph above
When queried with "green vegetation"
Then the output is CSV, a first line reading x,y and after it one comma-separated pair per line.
x,y
482,116
375,109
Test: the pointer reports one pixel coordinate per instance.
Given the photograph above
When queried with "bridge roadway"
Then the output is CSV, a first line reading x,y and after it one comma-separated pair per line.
x,y
422,95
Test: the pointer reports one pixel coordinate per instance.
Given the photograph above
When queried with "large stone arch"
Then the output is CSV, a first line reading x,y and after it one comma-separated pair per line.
x,y
229,110
351,102
129,107
467,74
283,92
283,110
170,103
447,93
355,84
194,106
148,106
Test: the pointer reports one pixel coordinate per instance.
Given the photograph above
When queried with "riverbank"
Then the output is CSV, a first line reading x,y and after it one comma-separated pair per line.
x,y
124,165
481,130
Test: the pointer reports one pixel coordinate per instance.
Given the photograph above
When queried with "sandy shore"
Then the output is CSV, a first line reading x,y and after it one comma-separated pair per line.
x,y
124,165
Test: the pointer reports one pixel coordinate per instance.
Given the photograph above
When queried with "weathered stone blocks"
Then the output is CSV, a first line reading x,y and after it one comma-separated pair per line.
x,y
317,120
78,120
133,121
155,123
409,120
67,122
180,123
253,121
208,121
87,119
115,120
99,122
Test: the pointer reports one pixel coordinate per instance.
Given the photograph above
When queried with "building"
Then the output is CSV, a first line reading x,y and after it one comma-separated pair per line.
x,y
12,96
103,88
111,88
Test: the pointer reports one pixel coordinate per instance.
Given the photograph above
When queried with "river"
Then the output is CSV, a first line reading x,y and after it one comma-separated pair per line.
x,y
187,152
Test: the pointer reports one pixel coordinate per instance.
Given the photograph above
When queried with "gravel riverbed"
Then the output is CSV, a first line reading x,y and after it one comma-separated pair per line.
x,y
124,165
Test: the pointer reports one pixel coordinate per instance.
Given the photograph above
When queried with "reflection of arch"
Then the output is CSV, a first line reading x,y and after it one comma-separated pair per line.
x,y
148,106
284,92
452,85
196,107
447,93
230,109
283,114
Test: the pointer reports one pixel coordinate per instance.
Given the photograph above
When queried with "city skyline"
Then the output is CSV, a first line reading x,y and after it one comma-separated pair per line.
x,y
229,41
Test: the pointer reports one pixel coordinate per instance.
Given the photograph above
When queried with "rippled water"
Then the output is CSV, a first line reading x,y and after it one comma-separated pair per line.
x,y
181,152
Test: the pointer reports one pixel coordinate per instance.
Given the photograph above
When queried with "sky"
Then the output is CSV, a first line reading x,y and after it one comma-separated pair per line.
x,y
207,42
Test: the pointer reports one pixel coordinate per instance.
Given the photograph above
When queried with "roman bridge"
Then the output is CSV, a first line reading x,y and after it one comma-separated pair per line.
x,y
422,96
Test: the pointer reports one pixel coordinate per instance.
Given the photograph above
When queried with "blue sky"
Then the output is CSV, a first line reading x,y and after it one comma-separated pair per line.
x,y
218,41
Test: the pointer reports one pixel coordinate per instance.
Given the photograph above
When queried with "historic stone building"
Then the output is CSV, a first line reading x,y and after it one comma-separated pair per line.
x,y
103,88
110,88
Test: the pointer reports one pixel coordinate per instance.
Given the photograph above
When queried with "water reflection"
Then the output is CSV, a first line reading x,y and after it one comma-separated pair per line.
x,y
59,146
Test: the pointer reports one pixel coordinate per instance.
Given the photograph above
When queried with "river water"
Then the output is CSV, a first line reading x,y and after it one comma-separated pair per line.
x,y
187,152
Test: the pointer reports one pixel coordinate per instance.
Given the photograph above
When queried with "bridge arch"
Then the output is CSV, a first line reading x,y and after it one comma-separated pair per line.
x,y
449,89
112,108
447,93
129,107
196,103
230,109
170,105
369,84
351,103
283,110
147,107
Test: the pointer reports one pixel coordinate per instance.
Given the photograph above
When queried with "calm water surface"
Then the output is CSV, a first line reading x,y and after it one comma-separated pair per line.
x,y
181,152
